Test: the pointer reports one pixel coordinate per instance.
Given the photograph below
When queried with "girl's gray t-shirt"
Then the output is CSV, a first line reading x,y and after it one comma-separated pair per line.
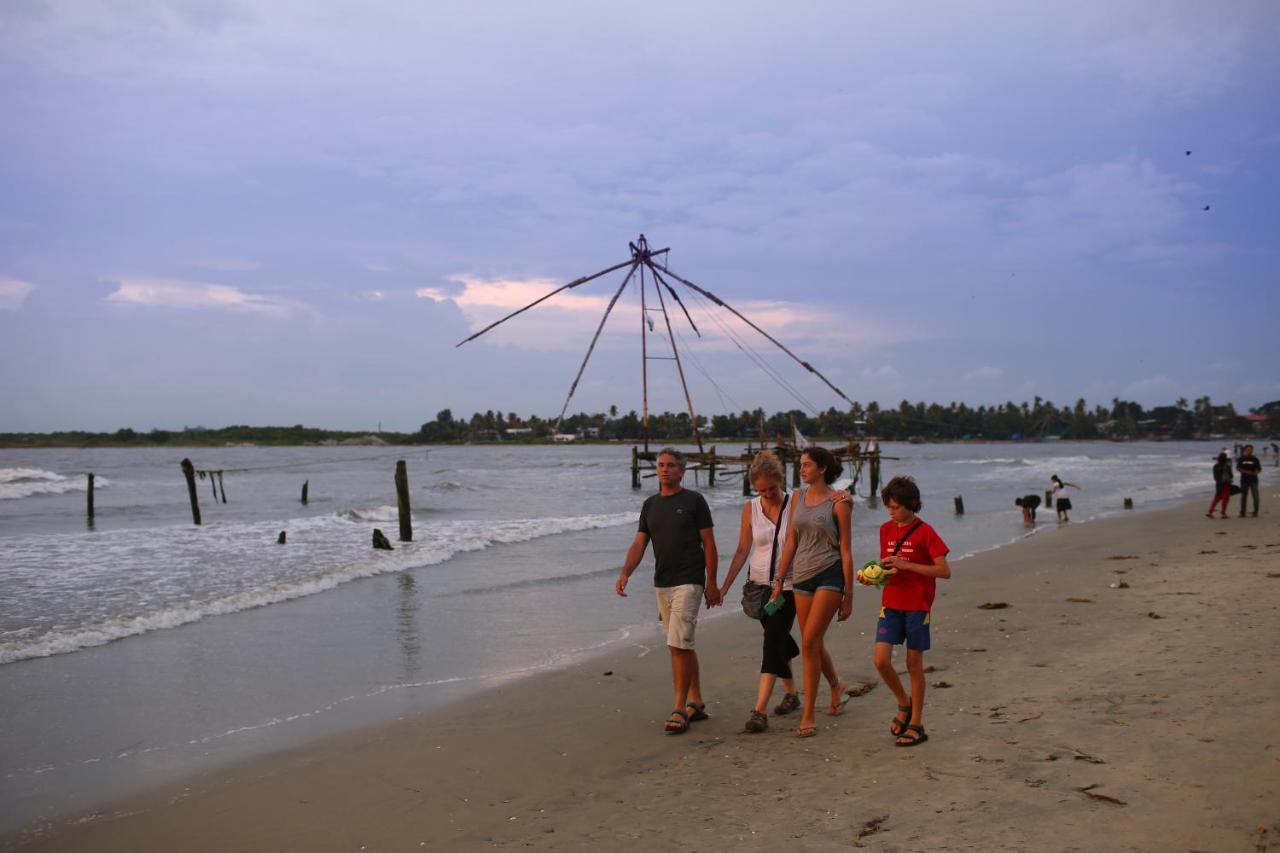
x,y
817,538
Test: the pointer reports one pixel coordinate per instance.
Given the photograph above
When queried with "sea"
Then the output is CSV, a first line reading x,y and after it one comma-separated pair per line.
x,y
140,649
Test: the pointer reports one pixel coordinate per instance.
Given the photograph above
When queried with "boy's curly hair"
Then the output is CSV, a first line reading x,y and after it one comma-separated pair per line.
x,y
903,490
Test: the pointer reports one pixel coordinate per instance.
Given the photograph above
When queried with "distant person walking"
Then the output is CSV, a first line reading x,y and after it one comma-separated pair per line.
x,y
684,551
820,557
1062,503
1249,468
1222,478
1275,453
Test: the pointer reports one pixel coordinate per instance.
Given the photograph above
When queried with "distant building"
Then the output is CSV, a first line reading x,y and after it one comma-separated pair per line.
x,y
563,437
518,431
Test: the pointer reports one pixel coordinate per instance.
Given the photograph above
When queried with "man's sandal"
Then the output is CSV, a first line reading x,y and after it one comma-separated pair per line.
x,y
699,711
758,723
675,726
897,727
914,736
790,702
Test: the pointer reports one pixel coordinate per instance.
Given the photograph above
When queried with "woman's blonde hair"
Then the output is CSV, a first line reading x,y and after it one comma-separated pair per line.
x,y
766,464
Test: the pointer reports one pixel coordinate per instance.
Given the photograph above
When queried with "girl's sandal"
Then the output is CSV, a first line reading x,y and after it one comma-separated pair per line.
x,y
806,731
675,726
913,736
897,727
696,712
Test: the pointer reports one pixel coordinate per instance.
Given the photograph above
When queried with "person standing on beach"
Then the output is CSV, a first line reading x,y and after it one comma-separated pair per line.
x,y
1221,484
684,551
1061,503
765,520
1249,468
919,557
819,558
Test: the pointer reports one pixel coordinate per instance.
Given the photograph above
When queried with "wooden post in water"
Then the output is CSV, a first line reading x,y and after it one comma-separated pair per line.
x,y
1048,498
875,471
635,467
90,499
1128,502
795,473
402,501
746,483
711,471
189,471
959,505
222,488
305,483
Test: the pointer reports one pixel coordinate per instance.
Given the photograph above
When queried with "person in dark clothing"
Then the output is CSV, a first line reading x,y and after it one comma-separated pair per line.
x,y
1029,503
1221,484
1249,468
685,561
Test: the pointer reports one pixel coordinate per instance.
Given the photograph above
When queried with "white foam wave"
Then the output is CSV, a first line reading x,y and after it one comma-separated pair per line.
x,y
438,543
378,513
16,483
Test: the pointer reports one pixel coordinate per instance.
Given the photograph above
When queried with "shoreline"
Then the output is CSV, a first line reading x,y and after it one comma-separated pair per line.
x,y
544,761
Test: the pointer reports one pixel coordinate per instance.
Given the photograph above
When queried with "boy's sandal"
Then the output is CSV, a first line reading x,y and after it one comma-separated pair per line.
x,y
699,712
913,736
806,731
790,702
758,723
675,726
897,727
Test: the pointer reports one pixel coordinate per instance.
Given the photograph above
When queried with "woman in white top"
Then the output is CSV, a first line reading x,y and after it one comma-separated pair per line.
x,y
764,521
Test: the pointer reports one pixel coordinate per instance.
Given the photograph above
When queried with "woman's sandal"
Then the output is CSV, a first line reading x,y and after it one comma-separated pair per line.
x,y
837,705
914,736
758,723
676,727
806,731
790,702
897,727
699,712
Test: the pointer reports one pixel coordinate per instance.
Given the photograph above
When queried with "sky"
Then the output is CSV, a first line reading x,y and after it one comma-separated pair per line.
x,y
219,212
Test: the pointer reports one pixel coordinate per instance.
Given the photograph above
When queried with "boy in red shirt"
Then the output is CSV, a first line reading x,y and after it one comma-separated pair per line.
x,y
919,555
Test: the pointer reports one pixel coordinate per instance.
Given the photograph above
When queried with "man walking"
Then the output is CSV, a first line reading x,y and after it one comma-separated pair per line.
x,y
684,550
1249,468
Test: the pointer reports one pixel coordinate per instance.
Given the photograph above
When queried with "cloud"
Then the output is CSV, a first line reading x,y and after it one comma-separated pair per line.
x,y
880,374
13,293
194,295
566,320
983,374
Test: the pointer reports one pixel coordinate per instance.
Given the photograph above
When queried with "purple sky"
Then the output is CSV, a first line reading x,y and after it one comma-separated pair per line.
x,y
238,212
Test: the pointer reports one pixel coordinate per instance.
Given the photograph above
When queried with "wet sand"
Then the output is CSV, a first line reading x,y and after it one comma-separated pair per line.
x,y
1083,716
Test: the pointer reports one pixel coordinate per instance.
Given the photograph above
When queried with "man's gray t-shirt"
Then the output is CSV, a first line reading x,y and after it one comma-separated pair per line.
x,y
674,523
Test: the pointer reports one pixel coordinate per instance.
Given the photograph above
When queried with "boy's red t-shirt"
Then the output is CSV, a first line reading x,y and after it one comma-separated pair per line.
x,y
910,590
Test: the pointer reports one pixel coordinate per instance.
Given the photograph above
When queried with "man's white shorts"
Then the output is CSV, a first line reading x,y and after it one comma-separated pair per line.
x,y
678,608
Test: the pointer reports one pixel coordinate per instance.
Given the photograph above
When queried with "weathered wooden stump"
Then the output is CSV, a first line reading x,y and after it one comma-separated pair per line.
x,y
959,505
635,467
402,502
380,541
90,499
305,483
189,471
280,539
1128,503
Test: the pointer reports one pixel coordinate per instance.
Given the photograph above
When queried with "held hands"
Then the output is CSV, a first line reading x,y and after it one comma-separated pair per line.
x,y
713,596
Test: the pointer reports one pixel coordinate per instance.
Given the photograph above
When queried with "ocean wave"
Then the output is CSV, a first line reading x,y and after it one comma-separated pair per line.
x,y
999,460
16,483
436,544
384,514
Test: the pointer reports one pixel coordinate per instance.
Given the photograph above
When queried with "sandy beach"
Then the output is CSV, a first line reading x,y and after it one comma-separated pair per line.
x,y
1121,700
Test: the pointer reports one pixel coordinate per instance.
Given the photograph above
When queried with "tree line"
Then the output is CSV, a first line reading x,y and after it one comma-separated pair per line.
x,y
1031,420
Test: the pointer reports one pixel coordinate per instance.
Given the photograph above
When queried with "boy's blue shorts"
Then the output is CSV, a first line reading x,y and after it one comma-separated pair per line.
x,y
894,626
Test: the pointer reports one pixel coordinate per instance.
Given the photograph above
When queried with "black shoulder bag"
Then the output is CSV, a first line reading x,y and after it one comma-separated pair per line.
x,y
755,595
910,530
